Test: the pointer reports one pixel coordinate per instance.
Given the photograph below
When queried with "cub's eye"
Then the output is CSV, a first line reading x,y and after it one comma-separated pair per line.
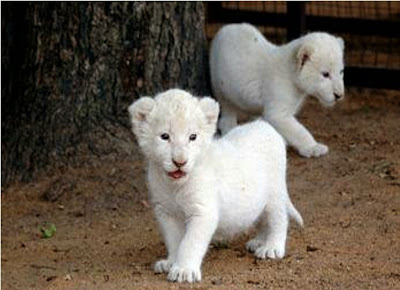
x,y
326,74
192,137
342,72
164,136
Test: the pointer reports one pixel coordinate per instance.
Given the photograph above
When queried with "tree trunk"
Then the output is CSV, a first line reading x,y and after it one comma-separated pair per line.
x,y
69,71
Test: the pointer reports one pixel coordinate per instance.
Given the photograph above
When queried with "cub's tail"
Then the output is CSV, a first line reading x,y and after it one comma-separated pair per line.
x,y
294,214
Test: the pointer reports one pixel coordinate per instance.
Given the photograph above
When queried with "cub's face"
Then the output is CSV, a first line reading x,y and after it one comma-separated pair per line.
x,y
174,129
320,68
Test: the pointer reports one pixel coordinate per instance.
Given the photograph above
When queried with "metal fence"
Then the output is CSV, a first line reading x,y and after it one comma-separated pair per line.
x,y
371,31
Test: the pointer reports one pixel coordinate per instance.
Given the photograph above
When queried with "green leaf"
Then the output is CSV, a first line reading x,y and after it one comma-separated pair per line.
x,y
49,231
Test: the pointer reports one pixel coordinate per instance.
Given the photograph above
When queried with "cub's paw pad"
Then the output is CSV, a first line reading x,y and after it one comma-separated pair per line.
x,y
178,274
271,251
253,245
162,266
315,151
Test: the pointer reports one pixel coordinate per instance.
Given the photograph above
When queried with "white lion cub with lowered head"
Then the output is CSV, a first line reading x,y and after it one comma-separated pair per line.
x,y
251,75
200,186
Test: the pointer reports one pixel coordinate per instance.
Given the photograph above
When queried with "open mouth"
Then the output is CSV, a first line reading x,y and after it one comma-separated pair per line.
x,y
176,174
329,104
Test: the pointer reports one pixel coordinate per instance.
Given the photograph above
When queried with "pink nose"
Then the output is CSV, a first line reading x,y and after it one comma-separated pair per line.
x,y
179,164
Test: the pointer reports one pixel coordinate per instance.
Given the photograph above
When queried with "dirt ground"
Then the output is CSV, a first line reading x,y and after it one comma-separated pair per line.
x,y
106,236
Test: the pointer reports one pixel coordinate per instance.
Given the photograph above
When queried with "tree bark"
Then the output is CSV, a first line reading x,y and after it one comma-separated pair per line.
x,y
69,71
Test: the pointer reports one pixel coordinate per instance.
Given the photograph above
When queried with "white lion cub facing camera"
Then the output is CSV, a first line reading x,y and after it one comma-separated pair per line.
x,y
200,186
251,75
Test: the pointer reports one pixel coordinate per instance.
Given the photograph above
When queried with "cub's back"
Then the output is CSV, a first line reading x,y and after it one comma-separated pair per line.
x,y
259,137
239,55
240,38
254,151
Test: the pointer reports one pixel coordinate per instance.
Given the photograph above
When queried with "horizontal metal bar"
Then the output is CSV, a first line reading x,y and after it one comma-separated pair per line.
x,y
333,24
216,13
355,26
372,77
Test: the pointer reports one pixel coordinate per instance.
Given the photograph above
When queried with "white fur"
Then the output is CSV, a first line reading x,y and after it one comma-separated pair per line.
x,y
230,183
249,74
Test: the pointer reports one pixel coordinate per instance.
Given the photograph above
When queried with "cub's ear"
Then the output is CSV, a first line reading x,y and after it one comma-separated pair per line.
x,y
304,54
140,109
210,109
341,42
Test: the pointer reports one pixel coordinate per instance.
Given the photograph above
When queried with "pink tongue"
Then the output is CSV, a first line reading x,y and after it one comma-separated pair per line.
x,y
176,174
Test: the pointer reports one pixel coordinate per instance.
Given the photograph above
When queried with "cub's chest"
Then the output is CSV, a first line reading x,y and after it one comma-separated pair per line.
x,y
180,207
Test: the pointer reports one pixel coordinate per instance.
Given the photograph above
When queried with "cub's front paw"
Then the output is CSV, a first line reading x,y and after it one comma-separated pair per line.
x,y
184,274
270,250
317,150
162,266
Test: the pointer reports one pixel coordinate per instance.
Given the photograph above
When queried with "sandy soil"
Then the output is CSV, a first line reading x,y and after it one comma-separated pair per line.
x,y
106,236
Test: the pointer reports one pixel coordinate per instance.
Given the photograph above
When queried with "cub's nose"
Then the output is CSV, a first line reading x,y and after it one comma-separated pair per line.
x,y
338,97
179,164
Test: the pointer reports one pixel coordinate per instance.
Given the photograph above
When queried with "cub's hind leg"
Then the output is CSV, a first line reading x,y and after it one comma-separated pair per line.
x,y
270,240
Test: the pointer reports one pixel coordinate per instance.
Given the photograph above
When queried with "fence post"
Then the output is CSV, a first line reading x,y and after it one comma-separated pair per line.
x,y
296,19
